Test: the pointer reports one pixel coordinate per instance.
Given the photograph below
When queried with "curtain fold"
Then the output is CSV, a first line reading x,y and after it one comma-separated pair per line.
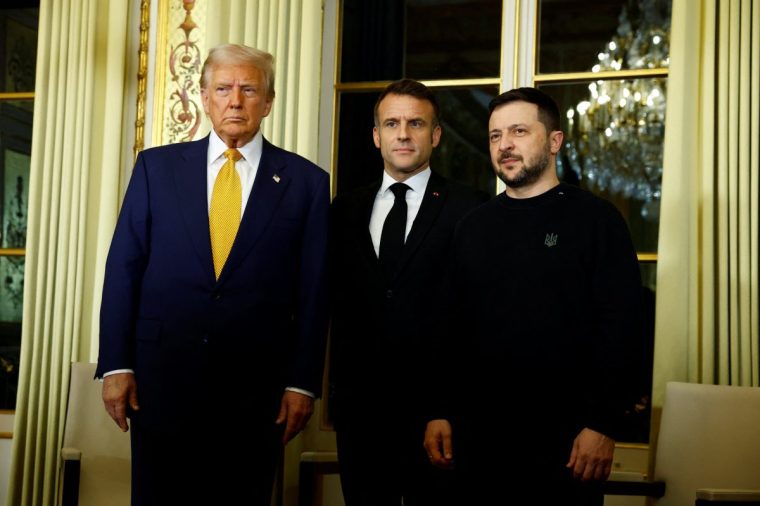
x,y
75,152
707,301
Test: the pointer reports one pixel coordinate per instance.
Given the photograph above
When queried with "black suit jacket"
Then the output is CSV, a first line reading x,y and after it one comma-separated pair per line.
x,y
382,329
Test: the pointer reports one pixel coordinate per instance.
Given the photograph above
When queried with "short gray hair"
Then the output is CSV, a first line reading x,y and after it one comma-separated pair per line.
x,y
236,54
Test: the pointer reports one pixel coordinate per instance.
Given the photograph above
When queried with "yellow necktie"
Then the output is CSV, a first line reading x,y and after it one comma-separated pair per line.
x,y
224,216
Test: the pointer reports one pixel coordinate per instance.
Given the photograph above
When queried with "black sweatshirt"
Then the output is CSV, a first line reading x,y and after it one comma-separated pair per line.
x,y
547,314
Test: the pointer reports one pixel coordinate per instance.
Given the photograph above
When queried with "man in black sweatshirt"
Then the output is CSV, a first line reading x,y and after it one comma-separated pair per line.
x,y
547,315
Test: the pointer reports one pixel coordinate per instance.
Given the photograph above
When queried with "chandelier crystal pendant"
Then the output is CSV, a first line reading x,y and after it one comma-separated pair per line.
x,y
615,136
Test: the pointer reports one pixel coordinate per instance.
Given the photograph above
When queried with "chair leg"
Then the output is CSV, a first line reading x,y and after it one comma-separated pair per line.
x,y
70,493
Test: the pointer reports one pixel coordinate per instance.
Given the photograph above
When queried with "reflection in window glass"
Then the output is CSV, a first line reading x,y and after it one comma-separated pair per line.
x,y
422,39
603,34
462,154
613,147
18,48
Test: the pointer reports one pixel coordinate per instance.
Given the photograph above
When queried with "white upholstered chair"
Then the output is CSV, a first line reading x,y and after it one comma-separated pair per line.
x,y
709,445
96,454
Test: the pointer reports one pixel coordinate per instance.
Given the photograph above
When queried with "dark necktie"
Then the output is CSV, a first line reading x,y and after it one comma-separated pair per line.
x,y
394,230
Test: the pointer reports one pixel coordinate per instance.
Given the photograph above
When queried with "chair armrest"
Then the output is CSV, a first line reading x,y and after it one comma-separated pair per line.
x,y
727,497
71,454
634,488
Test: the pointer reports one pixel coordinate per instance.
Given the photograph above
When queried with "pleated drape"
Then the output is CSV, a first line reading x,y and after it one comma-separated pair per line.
x,y
74,181
707,283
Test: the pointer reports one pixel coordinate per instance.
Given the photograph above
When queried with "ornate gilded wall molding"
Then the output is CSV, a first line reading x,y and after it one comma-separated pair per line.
x,y
180,44
142,77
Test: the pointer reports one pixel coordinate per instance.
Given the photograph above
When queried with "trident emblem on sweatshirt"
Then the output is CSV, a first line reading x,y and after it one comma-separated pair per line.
x,y
551,240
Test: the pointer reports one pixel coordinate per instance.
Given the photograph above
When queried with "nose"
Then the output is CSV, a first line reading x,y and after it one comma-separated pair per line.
x,y
505,142
403,131
236,97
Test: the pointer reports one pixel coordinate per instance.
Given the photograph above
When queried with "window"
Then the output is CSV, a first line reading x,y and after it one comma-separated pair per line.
x,y
453,46
18,55
604,62
607,70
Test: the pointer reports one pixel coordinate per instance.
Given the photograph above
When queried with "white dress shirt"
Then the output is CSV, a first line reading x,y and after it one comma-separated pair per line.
x,y
384,201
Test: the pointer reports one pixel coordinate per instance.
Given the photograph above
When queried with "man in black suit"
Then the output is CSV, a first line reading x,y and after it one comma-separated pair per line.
x,y
389,256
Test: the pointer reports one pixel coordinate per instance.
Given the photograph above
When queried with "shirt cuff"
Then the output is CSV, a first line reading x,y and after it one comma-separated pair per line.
x,y
300,391
117,371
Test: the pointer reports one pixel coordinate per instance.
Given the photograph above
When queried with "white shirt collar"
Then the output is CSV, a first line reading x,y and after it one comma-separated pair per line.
x,y
251,151
417,182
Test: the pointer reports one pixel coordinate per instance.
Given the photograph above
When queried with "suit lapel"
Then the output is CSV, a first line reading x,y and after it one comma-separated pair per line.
x,y
269,187
190,178
432,203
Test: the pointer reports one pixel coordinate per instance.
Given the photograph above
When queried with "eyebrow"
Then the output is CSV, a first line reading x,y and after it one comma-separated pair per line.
x,y
509,127
397,119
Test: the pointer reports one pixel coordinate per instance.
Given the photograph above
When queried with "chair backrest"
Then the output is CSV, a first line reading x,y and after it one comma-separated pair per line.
x,y
709,438
105,473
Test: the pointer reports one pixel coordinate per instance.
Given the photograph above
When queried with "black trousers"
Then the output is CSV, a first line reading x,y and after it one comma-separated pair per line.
x,y
518,465
193,467
382,460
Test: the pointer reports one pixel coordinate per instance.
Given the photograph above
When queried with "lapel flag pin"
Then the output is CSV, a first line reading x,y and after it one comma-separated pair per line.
x,y
276,178
436,194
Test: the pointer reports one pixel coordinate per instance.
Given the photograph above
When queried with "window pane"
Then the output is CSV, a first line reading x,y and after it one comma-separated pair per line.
x,y
15,150
613,34
462,154
11,298
613,147
359,161
18,48
422,39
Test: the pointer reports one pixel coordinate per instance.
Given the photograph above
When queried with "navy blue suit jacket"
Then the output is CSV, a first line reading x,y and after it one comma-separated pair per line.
x,y
232,343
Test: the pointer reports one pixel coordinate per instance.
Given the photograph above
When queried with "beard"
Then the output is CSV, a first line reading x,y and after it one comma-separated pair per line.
x,y
529,174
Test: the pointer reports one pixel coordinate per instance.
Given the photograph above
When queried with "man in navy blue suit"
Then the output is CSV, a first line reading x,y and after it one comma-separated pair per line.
x,y
215,354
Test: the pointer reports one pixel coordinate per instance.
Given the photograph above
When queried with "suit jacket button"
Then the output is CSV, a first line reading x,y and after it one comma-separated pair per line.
x,y
389,294
217,296
204,339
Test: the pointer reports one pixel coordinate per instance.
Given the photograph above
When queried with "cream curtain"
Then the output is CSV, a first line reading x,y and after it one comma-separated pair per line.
x,y
707,283
292,32
74,184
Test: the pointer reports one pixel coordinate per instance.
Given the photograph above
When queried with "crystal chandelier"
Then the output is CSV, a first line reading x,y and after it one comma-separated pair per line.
x,y
615,135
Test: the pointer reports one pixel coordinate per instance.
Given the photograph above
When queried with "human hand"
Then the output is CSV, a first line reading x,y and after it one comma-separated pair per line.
x,y
591,456
295,409
118,390
438,443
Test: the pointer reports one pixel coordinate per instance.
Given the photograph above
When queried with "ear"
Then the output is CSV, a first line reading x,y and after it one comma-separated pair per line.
x,y
437,135
555,141
204,99
376,137
267,108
